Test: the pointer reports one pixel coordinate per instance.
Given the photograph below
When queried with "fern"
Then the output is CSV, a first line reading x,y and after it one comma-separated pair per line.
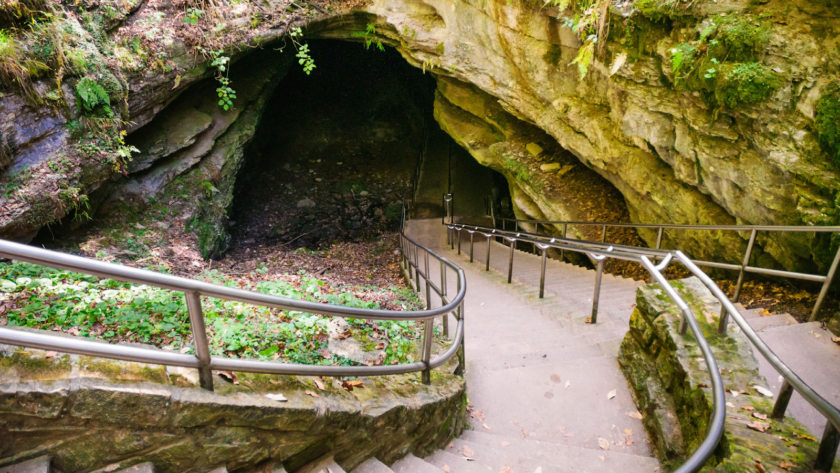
x,y
91,95
584,58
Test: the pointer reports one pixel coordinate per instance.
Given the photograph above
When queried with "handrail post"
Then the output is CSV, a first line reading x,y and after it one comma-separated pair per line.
x,y
417,268
459,316
472,237
428,335
426,280
782,401
487,263
202,346
826,284
659,238
510,261
604,234
443,299
536,231
828,448
562,250
724,316
460,231
596,297
542,272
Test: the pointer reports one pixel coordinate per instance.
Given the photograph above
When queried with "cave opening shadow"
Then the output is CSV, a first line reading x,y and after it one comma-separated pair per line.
x,y
337,152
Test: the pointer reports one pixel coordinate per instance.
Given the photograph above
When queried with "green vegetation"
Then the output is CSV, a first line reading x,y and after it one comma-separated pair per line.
x,y
90,307
369,37
827,120
304,59
93,99
724,64
193,15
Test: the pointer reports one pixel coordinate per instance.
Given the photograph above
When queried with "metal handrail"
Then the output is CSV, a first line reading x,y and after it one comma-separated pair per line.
x,y
193,291
742,268
600,251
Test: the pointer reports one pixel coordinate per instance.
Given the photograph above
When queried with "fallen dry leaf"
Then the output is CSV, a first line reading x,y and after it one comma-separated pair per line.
x,y
759,416
571,434
759,467
730,405
229,375
808,437
467,452
601,457
51,354
611,394
486,426
568,383
785,466
604,444
748,408
349,385
628,432
628,441
504,444
276,397
764,391
446,468
319,382
505,469
538,470
757,426
635,415
311,393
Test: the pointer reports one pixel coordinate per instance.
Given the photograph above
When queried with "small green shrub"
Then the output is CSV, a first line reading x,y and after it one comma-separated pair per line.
x,y
92,98
827,121
743,37
747,84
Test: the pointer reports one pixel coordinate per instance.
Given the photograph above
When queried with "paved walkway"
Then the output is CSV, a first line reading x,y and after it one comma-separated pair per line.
x,y
539,378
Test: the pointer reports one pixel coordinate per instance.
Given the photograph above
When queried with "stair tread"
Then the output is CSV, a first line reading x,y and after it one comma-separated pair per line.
x,y
766,322
325,464
147,467
40,464
412,464
373,466
454,463
528,454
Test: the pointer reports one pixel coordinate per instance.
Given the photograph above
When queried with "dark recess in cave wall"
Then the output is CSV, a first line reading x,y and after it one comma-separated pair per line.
x,y
338,150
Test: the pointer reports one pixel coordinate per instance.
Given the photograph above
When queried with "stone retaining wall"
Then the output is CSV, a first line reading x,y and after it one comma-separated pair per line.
x,y
90,413
671,387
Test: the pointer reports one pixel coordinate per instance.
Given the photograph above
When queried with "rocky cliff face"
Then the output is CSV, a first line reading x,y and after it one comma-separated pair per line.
x,y
740,146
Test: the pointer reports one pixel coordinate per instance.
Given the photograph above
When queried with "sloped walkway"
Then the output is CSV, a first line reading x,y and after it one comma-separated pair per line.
x,y
540,379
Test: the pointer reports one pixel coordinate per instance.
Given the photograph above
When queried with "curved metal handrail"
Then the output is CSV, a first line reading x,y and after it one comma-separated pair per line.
x,y
193,289
600,251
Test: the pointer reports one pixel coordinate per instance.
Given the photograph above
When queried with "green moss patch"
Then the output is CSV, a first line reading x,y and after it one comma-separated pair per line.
x,y
827,121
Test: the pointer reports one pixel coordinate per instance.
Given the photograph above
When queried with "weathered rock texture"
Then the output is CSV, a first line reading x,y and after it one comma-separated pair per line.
x,y
673,157
671,387
90,413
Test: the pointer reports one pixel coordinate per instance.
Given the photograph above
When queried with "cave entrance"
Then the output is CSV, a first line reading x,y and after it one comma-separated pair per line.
x,y
338,151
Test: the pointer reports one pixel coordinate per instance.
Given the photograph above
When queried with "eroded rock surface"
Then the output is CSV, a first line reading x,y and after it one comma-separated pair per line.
x,y
90,413
671,387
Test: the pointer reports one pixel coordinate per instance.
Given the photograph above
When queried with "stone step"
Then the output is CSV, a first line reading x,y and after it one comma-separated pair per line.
x,y
373,466
147,467
778,320
325,464
582,409
412,464
42,464
446,461
221,469
576,458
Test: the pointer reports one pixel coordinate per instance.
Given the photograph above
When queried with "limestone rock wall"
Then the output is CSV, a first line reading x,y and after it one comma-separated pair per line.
x,y
672,157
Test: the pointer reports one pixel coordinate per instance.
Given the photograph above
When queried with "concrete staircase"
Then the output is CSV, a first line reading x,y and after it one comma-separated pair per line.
x,y
545,390
540,379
